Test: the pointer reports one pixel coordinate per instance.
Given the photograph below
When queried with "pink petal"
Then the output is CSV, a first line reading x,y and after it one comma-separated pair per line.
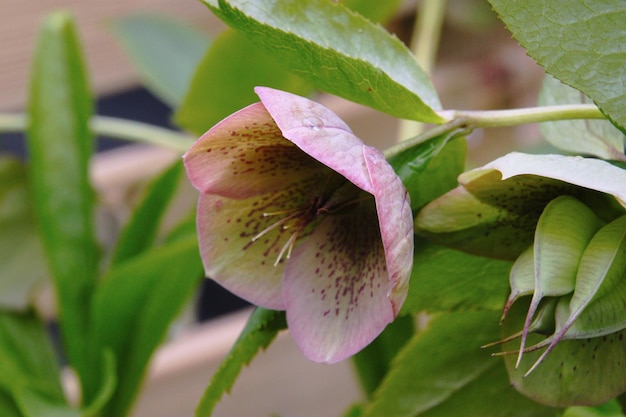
x,y
245,155
396,223
336,286
319,132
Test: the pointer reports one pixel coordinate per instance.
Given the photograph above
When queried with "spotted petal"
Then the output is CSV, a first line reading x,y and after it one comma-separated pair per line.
x,y
245,155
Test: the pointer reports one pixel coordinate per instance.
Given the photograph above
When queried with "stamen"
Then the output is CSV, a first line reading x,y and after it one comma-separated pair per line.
x,y
287,247
273,226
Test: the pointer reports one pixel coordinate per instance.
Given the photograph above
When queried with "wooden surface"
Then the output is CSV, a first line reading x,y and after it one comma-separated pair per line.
x,y
109,69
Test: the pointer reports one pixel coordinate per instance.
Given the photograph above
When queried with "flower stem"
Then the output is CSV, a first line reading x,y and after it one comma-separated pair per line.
x,y
463,122
115,128
513,117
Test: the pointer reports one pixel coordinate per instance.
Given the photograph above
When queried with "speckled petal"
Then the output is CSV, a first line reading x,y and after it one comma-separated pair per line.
x,y
245,155
336,286
396,223
226,228
319,132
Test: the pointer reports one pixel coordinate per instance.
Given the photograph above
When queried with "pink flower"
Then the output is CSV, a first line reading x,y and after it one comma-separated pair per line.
x,y
297,214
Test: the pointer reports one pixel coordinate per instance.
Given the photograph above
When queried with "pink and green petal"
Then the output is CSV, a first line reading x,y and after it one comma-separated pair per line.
x,y
226,229
245,155
336,286
318,132
396,223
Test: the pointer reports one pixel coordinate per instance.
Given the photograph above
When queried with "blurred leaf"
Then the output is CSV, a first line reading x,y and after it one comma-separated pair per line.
x,y
164,50
373,362
33,404
133,307
23,264
338,50
8,407
28,360
141,229
261,329
460,379
610,409
224,80
431,168
449,280
60,145
376,11
592,137
582,44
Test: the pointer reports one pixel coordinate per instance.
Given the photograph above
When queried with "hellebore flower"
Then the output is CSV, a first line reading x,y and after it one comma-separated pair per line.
x,y
563,220
296,213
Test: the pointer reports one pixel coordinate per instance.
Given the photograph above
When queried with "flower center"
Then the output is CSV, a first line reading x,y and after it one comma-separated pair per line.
x,y
296,220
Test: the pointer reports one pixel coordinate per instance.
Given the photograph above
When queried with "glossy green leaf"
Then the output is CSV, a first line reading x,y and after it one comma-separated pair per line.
x,y
165,51
443,371
431,168
23,264
372,363
582,44
225,78
261,329
133,307
28,359
339,51
588,137
445,279
141,229
60,145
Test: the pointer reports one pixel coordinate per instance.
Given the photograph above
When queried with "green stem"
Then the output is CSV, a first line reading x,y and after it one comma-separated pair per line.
x,y
115,128
424,45
513,117
463,122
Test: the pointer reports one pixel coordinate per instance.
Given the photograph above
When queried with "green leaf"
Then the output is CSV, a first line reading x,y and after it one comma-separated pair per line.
x,y
261,329
593,137
28,359
23,264
33,404
141,230
443,371
376,11
609,409
373,362
582,44
339,51
133,307
8,407
224,80
431,168
164,50
60,145
449,280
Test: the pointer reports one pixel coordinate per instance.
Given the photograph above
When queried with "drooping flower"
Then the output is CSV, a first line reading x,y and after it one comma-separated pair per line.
x,y
296,213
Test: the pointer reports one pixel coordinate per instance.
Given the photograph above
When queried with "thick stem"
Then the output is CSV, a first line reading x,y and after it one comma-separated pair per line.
x,y
114,128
